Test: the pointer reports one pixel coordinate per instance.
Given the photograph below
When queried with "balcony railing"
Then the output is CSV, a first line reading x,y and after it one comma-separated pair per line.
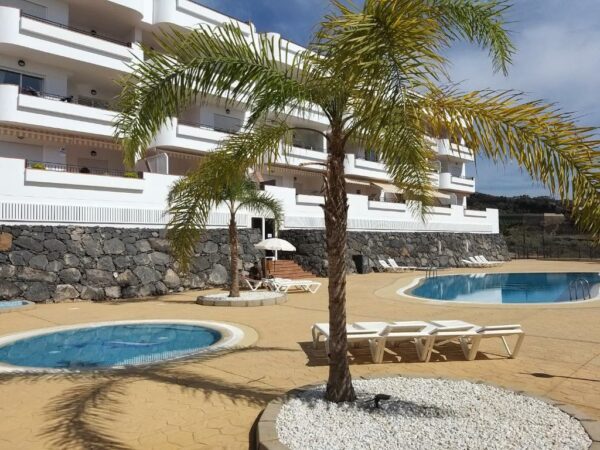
x,y
69,168
306,146
189,123
83,101
76,30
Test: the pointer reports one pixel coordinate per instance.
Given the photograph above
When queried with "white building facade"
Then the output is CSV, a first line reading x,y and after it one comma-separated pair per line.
x,y
59,164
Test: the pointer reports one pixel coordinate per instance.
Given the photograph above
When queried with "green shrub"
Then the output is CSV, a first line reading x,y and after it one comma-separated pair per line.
x,y
131,175
38,166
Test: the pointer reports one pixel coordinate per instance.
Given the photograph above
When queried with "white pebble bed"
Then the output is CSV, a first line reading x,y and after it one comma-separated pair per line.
x,y
427,414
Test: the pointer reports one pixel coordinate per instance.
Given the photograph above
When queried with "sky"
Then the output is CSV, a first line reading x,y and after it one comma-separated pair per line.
x,y
557,60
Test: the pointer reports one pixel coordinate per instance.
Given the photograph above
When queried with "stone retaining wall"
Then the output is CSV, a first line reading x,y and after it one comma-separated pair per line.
x,y
41,263
409,249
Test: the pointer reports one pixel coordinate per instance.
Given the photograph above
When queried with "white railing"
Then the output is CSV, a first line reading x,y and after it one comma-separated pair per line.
x,y
305,211
34,196
21,109
29,34
451,182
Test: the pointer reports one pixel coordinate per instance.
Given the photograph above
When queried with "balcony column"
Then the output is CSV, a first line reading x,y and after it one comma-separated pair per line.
x,y
136,35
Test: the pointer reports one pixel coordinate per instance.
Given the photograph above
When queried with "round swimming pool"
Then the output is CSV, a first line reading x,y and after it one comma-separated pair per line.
x,y
547,287
13,305
113,344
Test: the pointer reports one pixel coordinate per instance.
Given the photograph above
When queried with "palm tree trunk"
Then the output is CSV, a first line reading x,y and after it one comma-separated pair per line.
x,y
234,289
339,384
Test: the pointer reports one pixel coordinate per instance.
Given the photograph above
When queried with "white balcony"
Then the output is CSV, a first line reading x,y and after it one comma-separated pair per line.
x,y
305,211
185,13
53,113
362,168
452,151
50,197
135,6
28,37
449,182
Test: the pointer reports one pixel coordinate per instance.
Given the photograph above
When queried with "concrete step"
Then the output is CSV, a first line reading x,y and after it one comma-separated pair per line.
x,y
286,268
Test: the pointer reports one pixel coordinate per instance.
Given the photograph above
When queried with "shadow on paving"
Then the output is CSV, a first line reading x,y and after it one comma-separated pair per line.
x,y
547,375
83,415
402,353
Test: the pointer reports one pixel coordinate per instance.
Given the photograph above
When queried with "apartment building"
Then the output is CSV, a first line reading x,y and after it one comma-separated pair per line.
x,y
59,164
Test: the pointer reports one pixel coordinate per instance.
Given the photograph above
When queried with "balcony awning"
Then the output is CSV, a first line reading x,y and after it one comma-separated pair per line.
x,y
279,170
387,187
357,182
58,138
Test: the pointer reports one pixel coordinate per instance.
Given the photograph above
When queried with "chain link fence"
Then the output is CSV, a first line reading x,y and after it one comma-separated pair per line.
x,y
546,236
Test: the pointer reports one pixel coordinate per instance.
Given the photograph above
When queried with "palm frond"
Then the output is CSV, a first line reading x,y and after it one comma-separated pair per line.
x,y
543,140
399,137
481,22
221,177
261,203
223,63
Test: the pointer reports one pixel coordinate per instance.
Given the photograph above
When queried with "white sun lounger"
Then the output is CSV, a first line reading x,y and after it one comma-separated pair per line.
x,y
379,334
474,262
386,267
285,285
354,332
395,266
426,336
484,260
253,285
401,332
445,331
470,344
470,336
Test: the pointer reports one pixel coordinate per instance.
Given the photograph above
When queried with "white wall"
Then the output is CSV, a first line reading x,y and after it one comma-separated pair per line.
x,y
304,211
43,196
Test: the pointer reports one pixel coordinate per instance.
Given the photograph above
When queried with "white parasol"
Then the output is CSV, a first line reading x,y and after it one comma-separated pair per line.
x,y
276,245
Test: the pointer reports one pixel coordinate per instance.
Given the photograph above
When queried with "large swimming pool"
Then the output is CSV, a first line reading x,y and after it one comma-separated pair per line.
x,y
108,345
507,287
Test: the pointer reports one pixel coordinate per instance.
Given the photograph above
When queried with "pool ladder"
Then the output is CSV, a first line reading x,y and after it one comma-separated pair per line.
x,y
431,272
574,289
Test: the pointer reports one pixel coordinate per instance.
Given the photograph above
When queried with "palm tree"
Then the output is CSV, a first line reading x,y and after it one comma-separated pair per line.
x,y
377,73
191,200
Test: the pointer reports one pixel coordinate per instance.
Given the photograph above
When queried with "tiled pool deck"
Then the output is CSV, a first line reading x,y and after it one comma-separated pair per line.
x,y
213,402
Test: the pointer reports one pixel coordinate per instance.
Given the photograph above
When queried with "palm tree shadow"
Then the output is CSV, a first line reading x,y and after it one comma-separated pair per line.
x,y
84,415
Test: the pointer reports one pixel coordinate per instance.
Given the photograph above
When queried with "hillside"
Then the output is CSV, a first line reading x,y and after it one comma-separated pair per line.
x,y
537,227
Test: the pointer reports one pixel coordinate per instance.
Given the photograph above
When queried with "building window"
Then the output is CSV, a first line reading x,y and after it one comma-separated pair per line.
x,y
27,83
227,124
371,155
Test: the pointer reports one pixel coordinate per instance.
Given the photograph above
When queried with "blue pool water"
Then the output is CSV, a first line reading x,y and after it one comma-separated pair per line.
x,y
505,287
13,304
106,346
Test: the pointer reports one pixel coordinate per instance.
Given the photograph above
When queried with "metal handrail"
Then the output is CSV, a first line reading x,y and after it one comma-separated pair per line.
x,y
71,168
431,272
67,99
206,126
76,30
574,289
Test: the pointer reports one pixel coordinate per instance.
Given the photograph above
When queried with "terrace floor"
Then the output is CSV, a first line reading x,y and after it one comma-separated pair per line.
x,y
212,402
